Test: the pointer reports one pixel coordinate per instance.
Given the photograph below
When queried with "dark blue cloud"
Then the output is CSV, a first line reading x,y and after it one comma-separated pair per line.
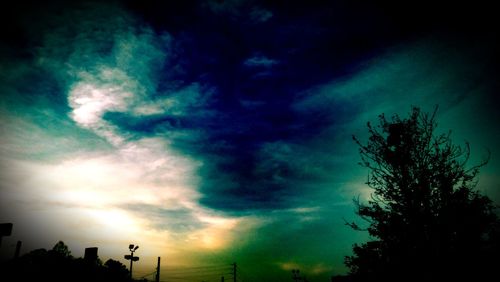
x,y
258,65
253,62
256,102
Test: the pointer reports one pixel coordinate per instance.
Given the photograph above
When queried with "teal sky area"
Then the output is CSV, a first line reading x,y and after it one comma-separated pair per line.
x,y
214,132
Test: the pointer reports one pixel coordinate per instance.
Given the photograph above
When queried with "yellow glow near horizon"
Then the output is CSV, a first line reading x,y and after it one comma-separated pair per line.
x,y
128,192
87,200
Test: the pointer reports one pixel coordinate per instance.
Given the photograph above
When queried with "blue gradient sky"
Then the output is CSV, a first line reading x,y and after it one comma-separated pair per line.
x,y
210,132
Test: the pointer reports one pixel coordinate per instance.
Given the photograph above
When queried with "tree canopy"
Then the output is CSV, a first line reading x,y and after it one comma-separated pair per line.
x,y
61,249
425,217
58,265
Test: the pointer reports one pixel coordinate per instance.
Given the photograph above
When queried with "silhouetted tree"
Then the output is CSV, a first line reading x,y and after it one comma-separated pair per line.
x,y
116,271
61,249
57,265
426,218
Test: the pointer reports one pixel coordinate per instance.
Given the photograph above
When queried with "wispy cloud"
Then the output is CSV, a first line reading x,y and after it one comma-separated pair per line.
x,y
260,61
260,15
422,73
211,141
129,186
240,10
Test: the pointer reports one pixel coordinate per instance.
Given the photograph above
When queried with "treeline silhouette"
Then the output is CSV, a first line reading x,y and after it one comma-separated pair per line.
x,y
58,265
426,219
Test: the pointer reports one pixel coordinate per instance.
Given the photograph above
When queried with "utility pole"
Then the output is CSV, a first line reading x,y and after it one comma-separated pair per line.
x,y
157,277
296,276
18,249
234,272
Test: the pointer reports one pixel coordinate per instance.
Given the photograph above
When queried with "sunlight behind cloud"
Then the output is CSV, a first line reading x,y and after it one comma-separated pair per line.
x,y
219,232
90,103
214,132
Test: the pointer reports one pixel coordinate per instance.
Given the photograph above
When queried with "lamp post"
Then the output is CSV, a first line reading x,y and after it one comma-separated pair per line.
x,y
131,257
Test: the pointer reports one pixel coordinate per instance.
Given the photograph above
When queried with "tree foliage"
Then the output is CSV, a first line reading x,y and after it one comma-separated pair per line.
x,y
61,249
116,271
58,265
427,219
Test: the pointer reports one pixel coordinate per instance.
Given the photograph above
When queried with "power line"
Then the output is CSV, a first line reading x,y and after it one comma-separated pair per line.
x,y
206,273
242,275
198,271
198,267
144,276
198,274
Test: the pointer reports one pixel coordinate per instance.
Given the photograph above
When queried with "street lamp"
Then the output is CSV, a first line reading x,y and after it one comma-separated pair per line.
x,y
131,257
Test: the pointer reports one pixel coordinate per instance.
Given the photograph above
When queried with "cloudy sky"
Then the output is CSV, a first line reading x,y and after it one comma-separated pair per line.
x,y
213,132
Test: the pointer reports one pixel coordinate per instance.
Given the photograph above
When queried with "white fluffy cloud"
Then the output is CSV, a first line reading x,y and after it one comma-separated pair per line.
x,y
132,190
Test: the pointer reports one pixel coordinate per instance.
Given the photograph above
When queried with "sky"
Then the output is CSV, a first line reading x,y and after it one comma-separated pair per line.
x,y
213,132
